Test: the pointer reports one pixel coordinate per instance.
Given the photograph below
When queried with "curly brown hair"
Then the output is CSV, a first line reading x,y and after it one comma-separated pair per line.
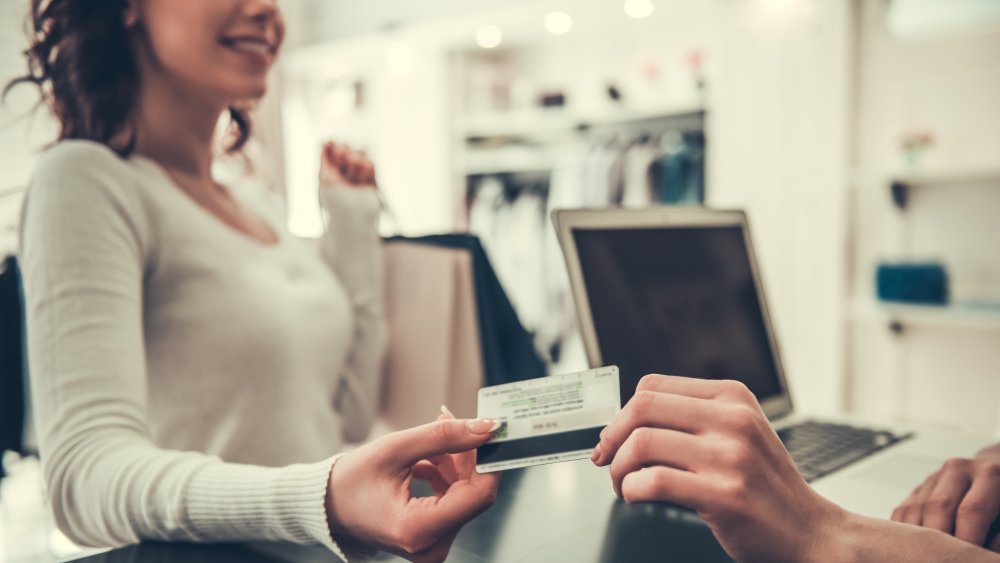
x,y
80,59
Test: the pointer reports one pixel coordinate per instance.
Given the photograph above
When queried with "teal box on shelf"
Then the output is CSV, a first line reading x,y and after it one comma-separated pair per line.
x,y
925,283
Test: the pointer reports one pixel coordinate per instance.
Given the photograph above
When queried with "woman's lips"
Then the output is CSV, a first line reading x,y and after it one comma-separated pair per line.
x,y
258,49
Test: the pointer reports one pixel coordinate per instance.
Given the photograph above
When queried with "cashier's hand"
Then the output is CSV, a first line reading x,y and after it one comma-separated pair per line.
x,y
708,446
369,498
962,498
342,167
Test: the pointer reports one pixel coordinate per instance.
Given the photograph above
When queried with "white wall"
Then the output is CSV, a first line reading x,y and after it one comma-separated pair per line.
x,y
22,133
778,148
779,113
948,84
404,125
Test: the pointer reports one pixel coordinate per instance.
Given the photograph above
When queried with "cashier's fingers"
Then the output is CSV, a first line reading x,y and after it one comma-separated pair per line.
x,y
647,447
668,484
943,501
656,410
982,508
911,511
689,386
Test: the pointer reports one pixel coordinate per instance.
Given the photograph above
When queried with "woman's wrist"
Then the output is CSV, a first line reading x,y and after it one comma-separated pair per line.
x,y
337,531
350,547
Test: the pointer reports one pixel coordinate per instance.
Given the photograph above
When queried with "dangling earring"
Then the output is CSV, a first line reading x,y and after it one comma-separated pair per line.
x,y
131,14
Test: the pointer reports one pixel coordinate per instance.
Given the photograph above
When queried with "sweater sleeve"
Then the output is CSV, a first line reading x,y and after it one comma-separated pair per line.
x,y
86,243
351,246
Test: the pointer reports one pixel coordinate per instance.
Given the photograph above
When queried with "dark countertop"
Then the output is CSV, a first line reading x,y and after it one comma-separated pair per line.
x,y
546,514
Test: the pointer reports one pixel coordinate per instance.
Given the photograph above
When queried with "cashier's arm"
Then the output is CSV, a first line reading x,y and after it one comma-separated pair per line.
x,y
707,445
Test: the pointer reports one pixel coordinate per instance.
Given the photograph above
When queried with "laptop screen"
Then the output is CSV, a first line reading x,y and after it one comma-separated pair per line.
x,y
678,301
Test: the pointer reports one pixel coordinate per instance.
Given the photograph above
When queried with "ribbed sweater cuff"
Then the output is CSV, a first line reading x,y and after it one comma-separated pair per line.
x,y
231,502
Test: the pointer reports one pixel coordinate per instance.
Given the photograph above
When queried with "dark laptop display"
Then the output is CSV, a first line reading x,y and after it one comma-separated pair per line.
x,y
678,301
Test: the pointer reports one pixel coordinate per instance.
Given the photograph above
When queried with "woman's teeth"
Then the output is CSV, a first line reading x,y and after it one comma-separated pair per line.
x,y
250,46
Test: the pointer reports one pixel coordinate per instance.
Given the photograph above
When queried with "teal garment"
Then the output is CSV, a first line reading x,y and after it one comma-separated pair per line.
x,y
678,176
508,348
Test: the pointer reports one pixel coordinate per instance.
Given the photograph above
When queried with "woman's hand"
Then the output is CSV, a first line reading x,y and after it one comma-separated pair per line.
x,y
708,446
340,166
369,498
962,498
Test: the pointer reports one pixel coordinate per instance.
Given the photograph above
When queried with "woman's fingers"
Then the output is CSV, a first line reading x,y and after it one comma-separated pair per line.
x,y
405,448
655,446
488,482
429,519
369,170
656,410
459,465
353,166
437,553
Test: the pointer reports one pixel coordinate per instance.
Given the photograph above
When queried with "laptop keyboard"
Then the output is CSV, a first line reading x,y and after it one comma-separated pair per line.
x,y
820,448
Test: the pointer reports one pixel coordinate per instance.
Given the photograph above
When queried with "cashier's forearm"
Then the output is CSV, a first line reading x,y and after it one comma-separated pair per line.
x,y
861,539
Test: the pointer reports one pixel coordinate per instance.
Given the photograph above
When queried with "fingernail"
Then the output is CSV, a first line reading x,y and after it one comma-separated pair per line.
x,y
446,412
482,425
597,453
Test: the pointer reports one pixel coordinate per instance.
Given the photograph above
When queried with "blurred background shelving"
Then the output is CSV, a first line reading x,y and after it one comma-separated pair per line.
x,y
897,316
801,106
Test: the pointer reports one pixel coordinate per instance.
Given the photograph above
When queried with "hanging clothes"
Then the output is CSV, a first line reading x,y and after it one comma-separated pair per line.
x,y
508,215
590,172
679,174
638,190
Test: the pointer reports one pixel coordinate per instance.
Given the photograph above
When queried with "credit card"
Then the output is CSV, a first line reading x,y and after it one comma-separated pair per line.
x,y
549,419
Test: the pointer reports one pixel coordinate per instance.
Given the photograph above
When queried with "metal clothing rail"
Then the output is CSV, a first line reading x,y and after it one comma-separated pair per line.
x,y
555,126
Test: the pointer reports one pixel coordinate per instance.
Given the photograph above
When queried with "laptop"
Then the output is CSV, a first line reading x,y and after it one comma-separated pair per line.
x,y
677,290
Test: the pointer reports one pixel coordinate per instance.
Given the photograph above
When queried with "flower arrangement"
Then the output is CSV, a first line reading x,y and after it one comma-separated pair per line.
x,y
913,143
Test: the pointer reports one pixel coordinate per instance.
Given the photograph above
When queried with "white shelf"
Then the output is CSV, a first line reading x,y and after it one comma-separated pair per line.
x,y
971,316
558,121
507,160
900,185
945,178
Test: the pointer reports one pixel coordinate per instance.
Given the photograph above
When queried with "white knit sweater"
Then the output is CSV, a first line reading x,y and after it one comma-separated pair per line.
x,y
190,383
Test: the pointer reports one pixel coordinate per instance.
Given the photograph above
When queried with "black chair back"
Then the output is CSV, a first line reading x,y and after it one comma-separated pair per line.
x,y
12,372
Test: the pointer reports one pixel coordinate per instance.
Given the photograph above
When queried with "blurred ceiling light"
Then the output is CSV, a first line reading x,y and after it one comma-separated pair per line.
x,y
489,36
401,58
639,9
558,23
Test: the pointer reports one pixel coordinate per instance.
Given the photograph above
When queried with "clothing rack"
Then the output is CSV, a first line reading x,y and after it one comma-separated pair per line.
x,y
526,146
648,125
544,128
